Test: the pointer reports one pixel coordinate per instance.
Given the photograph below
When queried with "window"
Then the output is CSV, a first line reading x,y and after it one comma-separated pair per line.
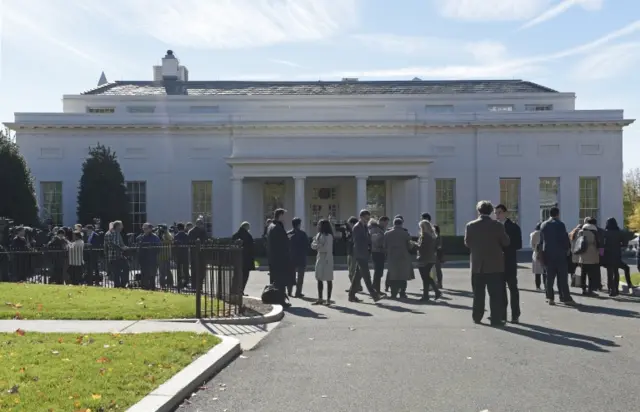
x,y
204,109
376,198
274,193
439,108
500,107
549,193
510,197
141,109
51,193
201,202
446,206
538,107
101,110
589,198
137,193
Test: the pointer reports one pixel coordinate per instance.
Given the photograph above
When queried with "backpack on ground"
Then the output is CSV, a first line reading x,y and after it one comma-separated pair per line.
x,y
581,244
271,295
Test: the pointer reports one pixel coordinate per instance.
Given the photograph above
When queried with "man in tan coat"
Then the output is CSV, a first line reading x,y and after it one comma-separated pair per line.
x,y
486,238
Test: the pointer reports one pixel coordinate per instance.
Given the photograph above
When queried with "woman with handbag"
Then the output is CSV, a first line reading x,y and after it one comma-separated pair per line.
x,y
323,244
537,267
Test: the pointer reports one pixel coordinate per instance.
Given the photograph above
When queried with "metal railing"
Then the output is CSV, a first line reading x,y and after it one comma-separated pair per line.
x,y
209,271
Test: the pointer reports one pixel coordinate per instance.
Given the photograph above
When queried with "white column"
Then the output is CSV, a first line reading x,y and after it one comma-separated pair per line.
x,y
361,193
236,202
299,201
424,195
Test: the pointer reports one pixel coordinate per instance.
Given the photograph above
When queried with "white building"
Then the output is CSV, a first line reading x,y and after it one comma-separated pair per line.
x,y
235,150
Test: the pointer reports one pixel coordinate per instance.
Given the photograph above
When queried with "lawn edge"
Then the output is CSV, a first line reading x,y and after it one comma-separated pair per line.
x,y
624,288
173,392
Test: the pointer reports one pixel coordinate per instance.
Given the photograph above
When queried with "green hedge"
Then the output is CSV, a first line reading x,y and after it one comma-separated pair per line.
x,y
452,245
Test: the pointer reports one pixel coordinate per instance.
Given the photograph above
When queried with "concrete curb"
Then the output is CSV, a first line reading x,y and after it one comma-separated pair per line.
x,y
276,315
174,391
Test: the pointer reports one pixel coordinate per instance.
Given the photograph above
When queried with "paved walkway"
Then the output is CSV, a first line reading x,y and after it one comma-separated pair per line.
x,y
248,335
408,357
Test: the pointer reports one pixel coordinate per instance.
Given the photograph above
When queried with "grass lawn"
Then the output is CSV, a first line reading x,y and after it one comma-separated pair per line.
x,y
635,278
32,301
100,372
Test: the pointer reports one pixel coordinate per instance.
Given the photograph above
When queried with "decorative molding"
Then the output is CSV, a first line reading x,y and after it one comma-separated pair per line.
x,y
51,153
548,149
509,149
135,153
590,149
338,126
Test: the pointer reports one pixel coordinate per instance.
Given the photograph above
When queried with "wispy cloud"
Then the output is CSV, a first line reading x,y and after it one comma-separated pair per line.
x,y
232,24
505,68
563,6
285,63
490,10
611,62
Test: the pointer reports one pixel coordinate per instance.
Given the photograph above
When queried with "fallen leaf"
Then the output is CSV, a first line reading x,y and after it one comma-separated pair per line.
x,y
40,307
102,371
103,359
17,306
55,352
22,370
96,396
66,360
106,346
76,404
60,340
20,332
17,316
8,303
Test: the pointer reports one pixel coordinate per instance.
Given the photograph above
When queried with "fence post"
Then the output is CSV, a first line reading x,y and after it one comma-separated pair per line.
x,y
197,279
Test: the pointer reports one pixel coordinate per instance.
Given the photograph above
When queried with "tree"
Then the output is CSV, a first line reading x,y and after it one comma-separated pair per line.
x,y
17,194
102,192
630,193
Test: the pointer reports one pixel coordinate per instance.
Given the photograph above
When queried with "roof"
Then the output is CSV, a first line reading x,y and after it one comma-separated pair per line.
x,y
315,88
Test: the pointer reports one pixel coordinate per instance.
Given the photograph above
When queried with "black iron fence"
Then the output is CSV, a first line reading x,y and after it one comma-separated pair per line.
x,y
211,272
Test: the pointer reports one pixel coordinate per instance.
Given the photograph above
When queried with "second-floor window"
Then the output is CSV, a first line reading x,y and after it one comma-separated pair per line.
x,y
538,107
500,107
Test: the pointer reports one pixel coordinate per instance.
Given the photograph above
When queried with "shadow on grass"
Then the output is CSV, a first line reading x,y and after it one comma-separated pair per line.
x,y
559,337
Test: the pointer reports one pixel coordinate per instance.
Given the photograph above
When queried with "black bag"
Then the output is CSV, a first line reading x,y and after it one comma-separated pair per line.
x,y
271,295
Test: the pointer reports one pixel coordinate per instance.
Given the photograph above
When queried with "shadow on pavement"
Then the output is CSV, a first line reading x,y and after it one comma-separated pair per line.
x,y
399,309
455,306
607,311
558,337
349,311
457,292
304,313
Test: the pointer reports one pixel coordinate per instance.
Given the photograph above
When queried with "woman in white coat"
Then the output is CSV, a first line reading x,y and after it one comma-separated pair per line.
x,y
536,263
323,244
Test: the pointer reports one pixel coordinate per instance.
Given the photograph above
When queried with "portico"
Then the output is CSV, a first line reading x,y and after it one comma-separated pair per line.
x,y
332,188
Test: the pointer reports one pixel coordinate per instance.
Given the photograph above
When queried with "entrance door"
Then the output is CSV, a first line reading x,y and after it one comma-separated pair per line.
x,y
324,205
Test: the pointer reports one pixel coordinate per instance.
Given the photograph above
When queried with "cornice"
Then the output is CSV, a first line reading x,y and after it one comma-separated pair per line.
x,y
324,126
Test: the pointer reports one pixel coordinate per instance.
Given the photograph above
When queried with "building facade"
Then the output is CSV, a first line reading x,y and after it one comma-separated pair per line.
x,y
235,150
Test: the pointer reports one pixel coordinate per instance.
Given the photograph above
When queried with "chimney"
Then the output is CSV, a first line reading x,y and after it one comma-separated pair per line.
x,y
170,69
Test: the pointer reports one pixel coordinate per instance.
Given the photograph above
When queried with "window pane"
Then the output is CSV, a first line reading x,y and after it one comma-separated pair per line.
x,y
51,199
376,198
274,193
446,206
510,197
549,195
201,202
136,191
589,198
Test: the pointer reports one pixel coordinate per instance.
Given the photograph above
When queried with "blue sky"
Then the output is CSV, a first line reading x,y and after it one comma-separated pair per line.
x,y
590,47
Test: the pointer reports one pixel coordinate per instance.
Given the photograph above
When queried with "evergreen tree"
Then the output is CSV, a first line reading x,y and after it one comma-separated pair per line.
x,y
102,192
17,194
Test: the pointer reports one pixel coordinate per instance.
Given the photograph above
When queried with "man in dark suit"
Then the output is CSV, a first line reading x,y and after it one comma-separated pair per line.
x,y
555,247
486,238
510,263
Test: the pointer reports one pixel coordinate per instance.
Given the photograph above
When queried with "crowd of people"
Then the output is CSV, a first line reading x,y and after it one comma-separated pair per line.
x,y
493,240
